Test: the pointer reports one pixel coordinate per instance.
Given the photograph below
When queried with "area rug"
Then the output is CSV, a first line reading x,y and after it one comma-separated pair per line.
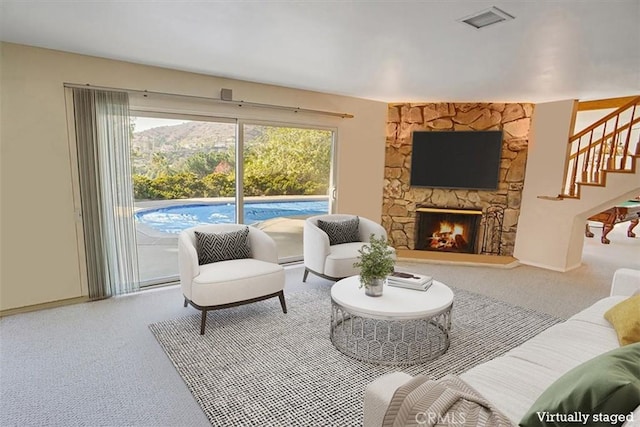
x,y
257,366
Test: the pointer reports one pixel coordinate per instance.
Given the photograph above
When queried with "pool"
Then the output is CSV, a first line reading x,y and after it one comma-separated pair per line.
x,y
173,219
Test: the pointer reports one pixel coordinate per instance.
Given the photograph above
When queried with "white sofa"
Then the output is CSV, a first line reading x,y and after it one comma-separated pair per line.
x,y
515,380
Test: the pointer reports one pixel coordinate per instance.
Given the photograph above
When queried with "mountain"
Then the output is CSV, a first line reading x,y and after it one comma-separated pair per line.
x,y
185,136
178,142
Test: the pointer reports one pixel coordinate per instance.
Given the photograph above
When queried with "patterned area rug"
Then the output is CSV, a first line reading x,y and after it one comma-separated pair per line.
x,y
256,366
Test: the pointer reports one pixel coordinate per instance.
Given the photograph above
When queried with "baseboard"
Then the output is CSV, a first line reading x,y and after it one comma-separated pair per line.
x,y
43,306
549,267
496,261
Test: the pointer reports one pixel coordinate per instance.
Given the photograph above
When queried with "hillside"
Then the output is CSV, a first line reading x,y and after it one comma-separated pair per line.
x,y
185,136
176,143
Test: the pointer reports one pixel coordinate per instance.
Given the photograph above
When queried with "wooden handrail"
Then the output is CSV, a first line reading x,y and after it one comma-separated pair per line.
x,y
604,138
611,152
602,104
605,119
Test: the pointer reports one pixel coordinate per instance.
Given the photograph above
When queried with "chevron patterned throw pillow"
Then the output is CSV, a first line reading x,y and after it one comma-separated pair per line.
x,y
214,247
345,231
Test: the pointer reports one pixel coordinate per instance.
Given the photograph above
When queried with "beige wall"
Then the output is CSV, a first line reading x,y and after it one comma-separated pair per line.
x,y
551,233
544,173
39,250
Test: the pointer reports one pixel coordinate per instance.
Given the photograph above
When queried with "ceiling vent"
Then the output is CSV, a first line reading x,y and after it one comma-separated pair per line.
x,y
487,17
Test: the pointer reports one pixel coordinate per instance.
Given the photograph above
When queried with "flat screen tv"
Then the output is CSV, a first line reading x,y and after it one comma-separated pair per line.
x,y
456,160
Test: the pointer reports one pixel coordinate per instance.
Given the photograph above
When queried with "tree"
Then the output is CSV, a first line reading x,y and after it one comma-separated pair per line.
x,y
219,185
159,166
288,161
178,186
143,188
202,164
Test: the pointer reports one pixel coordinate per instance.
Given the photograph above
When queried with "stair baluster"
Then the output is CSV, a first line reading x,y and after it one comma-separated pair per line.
x,y
625,151
599,156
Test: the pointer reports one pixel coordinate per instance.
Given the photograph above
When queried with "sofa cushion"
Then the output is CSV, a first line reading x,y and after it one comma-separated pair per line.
x,y
606,386
343,231
563,346
508,383
595,313
215,247
625,318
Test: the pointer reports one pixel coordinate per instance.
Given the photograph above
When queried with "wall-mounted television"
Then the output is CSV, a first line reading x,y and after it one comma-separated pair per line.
x,y
456,159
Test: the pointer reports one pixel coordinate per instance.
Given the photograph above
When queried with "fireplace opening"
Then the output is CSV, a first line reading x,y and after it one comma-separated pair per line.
x,y
447,230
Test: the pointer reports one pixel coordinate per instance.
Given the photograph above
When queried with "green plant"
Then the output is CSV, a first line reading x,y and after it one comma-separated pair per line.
x,y
375,260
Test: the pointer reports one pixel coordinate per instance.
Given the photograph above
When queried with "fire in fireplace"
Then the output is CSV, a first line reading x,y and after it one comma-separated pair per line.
x,y
449,236
447,230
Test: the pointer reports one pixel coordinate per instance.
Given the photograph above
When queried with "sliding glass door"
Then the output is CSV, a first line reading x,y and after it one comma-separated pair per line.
x,y
286,178
183,175
186,172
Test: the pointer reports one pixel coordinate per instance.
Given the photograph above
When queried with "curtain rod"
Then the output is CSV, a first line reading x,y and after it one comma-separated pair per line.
x,y
216,100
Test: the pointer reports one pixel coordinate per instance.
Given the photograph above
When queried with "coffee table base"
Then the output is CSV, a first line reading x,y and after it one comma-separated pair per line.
x,y
390,341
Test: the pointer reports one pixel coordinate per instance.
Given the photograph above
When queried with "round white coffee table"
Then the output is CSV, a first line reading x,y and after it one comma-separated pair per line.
x,y
401,327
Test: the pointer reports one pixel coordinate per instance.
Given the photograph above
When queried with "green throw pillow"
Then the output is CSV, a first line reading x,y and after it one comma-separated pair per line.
x,y
606,389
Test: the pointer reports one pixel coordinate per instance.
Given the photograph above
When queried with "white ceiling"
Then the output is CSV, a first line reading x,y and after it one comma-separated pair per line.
x,y
392,51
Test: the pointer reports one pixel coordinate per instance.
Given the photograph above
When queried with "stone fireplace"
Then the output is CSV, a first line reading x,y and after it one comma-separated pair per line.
x,y
401,202
447,230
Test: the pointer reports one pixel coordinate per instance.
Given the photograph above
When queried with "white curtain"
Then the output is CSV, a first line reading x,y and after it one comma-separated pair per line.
x,y
106,191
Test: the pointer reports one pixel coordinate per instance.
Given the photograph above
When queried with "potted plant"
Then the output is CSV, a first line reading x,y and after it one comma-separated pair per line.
x,y
375,262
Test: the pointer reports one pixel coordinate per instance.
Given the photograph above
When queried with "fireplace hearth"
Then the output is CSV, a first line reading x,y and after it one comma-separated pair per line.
x,y
447,230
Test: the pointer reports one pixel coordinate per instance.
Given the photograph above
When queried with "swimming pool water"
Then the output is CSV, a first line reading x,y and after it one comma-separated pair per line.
x,y
174,219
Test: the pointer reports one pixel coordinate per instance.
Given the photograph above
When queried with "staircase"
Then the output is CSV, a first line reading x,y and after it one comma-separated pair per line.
x,y
610,145
601,168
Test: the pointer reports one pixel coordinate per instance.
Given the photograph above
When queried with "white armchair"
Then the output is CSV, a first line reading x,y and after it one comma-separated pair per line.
x,y
335,262
232,282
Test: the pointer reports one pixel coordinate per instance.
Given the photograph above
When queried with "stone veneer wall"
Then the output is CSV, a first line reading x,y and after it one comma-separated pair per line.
x,y
400,200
